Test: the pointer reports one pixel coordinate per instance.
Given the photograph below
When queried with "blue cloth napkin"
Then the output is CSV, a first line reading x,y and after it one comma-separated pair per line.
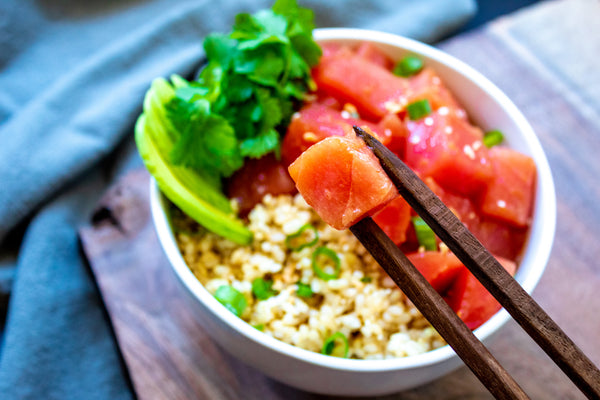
x,y
72,79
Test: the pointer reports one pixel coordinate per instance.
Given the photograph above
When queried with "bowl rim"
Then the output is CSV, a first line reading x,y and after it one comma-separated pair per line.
x,y
539,249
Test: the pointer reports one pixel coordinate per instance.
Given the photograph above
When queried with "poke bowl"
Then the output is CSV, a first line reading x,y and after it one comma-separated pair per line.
x,y
488,108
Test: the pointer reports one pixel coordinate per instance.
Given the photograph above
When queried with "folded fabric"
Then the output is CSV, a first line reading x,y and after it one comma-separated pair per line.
x,y
73,76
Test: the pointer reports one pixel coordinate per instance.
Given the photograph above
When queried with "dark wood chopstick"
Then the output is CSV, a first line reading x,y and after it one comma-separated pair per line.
x,y
532,318
433,307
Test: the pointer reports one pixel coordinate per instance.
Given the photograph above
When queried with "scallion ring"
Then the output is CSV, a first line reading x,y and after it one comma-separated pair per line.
x,y
492,138
425,235
408,66
319,267
233,300
304,290
418,109
336,345
263,289
290,240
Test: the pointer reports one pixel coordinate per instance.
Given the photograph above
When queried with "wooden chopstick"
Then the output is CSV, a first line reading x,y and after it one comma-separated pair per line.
x,y
532,318
474,354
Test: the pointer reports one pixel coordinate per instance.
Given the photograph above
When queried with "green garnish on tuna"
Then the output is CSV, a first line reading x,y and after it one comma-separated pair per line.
x,y
191,135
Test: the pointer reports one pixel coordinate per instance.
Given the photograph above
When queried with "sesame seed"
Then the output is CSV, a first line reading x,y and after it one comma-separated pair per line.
x,y
468,150
310,137
350,108
394,106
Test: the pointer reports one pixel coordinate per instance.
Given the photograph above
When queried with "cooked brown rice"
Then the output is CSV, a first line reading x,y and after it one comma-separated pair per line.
x,y
376,317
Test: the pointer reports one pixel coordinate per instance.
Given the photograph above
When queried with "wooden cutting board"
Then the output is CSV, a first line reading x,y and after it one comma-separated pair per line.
x,y
169,355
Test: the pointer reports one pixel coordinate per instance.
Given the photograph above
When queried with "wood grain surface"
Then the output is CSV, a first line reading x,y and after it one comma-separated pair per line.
x,y
167,352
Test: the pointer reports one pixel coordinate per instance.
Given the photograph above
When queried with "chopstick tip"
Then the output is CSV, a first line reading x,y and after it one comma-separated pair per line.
x,y
367,136
359,132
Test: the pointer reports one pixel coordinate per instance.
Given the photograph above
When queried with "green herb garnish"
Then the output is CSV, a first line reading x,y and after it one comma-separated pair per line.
x,y
425,235
418,109
304,290
336,345
306,236
263,289
408,66
260,327
246,92
492,138
366,279
191,135
233,300
325,263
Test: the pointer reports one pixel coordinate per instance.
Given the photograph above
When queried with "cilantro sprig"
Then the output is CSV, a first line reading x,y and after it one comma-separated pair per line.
x,y
192,134
246,94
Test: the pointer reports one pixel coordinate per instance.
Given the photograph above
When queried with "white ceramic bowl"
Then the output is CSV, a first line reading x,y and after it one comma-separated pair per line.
x,y
489,108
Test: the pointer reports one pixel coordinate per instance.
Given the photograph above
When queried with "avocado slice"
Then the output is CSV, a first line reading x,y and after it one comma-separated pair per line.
x,y
198,196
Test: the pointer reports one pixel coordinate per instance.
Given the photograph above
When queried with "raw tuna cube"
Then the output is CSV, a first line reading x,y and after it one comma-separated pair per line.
x,y
471,301
342,180
315,122
440,269
373,89
509,195
449,149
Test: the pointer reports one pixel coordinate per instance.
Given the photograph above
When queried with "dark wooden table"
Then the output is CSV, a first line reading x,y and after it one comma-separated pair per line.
x,y
545,59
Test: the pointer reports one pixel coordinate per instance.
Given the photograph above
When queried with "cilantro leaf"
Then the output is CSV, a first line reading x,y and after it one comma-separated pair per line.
x,y
264,27
300,27
206,141
307,48
261,144
239,89
263,65
271,111
220,49
245,95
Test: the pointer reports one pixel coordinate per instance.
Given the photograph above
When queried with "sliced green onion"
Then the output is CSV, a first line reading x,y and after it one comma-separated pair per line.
x,y
492,138
319,265
408,66
260,327
425,235
304,290
366,279
263,289
418,109
298,241
336,345
233,300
